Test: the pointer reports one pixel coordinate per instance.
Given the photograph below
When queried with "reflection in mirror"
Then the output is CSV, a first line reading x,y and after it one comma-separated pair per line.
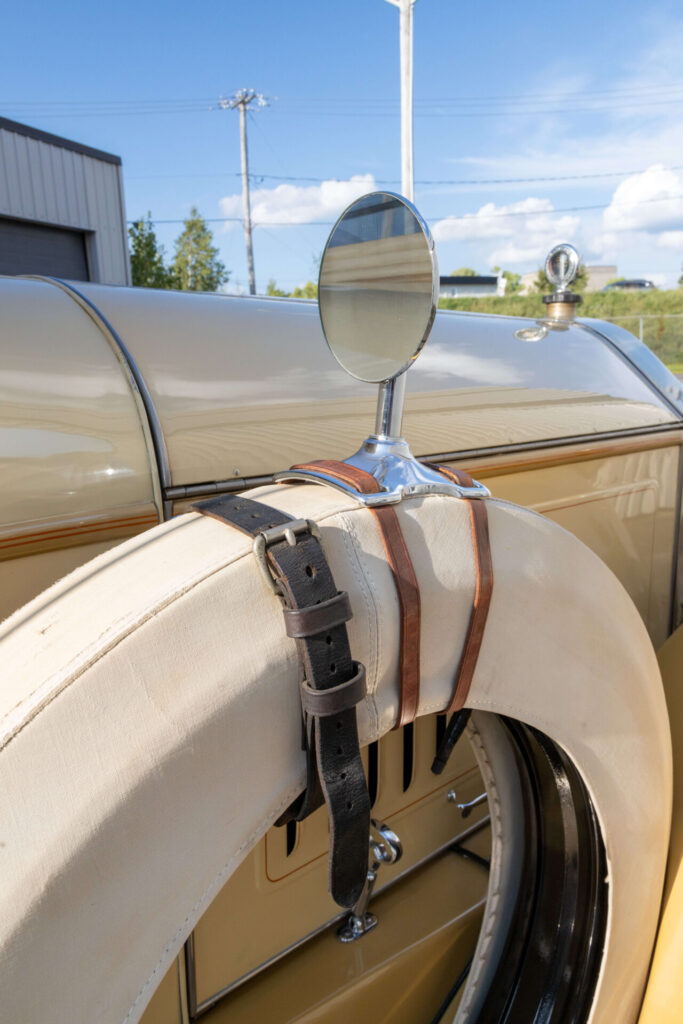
x,y
378,287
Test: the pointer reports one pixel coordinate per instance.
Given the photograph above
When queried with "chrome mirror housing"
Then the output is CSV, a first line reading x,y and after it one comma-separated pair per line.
x,y
378,291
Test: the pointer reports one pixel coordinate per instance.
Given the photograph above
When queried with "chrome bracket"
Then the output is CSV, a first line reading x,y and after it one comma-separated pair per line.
x,y
385,848
396,470
466,809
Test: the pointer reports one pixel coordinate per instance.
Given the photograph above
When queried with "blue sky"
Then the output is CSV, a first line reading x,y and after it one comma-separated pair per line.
x,y
589,93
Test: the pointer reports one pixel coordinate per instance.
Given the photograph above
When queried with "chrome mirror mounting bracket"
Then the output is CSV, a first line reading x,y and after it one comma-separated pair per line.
x,y
377,296
399,475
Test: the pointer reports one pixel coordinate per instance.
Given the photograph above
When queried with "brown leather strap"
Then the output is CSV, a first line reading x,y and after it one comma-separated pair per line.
x,y
405,580
363,482
408,592
481,543
332,683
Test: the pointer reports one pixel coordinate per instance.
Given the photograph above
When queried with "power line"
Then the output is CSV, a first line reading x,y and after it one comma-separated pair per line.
x,y
254,176
465,218
98,105
482,106
352,112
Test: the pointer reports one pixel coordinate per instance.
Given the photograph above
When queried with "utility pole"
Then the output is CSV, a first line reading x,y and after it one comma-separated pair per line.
x,y
406,36
241,100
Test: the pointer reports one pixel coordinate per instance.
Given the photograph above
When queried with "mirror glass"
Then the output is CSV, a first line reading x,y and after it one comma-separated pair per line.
x,y
378,287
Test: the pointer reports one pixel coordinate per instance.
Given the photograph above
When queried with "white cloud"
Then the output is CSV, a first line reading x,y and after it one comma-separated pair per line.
x,y
526,229
636,128
294,204
642,121
490,221
644,214
670,240
651,201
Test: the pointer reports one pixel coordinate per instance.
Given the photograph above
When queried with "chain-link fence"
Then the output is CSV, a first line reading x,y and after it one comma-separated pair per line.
x,y
663,333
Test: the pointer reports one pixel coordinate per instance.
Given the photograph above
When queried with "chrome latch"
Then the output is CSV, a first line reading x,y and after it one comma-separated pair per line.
x,y
385,848
287,531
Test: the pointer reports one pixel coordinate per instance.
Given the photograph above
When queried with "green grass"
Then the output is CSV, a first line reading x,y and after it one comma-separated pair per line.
x,y
664,336
675,367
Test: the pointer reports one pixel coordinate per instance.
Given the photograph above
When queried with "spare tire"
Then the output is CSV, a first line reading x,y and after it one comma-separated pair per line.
x,y
151,734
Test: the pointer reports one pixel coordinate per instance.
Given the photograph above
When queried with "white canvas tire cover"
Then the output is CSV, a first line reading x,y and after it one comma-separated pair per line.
x,y
151,730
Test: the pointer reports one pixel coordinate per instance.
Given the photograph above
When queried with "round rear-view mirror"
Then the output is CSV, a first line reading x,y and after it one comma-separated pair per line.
x,y
378,287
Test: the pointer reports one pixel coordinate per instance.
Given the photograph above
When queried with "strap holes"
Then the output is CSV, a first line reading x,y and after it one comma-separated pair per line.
x,y
343,775
328,639
349,805
339,725
310,570
340,751
333,668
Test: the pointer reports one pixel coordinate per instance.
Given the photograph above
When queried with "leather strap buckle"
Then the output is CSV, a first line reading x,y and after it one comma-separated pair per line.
x,y
289,532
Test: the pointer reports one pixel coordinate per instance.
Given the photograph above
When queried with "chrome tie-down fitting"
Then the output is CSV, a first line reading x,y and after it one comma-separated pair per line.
x,y
385,848
466,808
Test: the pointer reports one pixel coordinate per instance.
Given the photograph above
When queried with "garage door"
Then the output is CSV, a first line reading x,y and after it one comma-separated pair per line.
x,y
38,249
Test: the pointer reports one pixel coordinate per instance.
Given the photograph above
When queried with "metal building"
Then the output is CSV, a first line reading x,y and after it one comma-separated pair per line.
x,y
62,210
470,286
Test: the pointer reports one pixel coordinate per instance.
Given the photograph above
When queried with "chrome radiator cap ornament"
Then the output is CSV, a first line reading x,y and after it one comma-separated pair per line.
x,y
377,295
561,267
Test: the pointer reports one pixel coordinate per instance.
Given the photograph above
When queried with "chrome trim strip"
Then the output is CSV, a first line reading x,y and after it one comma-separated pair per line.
x,y
600,329
196,1010
244,483
154,436
553,442
238,483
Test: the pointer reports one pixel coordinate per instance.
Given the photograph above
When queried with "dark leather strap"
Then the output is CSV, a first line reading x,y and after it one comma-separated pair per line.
x,y
317,618
332,684
337,698
405,579
481,543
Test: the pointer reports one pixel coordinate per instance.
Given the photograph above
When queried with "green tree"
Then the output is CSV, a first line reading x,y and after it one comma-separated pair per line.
x,y
272,289
680,280
308,291
543,285
147,256
514,281
196,267
464,272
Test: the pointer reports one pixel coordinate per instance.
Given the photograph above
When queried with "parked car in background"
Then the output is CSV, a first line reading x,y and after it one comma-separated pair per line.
x,y
635,284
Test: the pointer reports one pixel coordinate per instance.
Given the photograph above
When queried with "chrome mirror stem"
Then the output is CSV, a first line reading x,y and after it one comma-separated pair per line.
x,y
390,407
